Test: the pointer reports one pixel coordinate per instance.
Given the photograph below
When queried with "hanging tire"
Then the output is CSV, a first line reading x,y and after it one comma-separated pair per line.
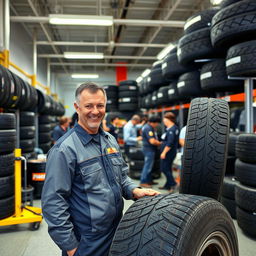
x,y
246,147
205,150
241,59
234,24
175,225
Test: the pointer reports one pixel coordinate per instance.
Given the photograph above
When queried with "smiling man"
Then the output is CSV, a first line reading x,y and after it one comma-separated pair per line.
x,y
86,180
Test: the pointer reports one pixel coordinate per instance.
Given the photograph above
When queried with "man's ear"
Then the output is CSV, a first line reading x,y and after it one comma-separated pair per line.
x,y
76,105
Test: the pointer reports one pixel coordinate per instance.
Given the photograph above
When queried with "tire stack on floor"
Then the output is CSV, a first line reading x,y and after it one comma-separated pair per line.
x,y
7,145
45,128
112,98
245,194
183,224
136,161
27,134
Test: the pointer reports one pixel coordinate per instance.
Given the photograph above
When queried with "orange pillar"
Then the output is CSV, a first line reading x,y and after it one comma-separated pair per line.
x,y
121,73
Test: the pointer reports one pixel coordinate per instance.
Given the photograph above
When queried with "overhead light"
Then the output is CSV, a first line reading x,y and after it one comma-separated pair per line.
x,y
145,72
92,76
90,20
216,2
164,52
139,79
83,55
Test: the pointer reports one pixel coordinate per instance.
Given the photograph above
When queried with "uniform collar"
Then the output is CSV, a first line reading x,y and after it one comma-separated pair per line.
x,y
85,136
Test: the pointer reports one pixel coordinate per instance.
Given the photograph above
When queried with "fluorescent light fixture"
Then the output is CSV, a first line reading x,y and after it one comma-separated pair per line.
x,y
139,79
216,2
83,55
90,20
145,72
164,52
92,76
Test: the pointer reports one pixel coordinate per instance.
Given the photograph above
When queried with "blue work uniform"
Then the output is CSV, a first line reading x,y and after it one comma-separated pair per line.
x,y
86,178
57,132
113,130
149,152
170,139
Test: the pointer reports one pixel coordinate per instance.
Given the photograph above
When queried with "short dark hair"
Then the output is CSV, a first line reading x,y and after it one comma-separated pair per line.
x,y
171,116
113,118
91,87
154,119
63,120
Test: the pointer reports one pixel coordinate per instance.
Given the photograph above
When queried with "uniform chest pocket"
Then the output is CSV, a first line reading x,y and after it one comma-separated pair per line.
x,y
117,166
92,176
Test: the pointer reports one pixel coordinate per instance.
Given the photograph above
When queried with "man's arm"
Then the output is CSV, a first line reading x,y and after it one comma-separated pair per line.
x,y
104,126
56,190
154,142
128,137
165,151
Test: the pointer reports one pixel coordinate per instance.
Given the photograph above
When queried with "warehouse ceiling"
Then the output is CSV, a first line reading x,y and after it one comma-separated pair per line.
x,y
137,44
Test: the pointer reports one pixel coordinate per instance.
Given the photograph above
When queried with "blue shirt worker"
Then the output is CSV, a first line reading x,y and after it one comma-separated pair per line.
x,y
60,129
170,140
150,144
112,127
86,180
131,133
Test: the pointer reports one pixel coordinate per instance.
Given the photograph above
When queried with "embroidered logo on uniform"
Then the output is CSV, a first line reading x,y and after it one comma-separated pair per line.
x,y
150,133
111,150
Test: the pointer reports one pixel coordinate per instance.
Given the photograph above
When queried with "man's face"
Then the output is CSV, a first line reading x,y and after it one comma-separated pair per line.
x,y
91,110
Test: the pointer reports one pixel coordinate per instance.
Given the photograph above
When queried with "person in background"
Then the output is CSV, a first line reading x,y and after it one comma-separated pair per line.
x,y
131,133
60,129
74,119
112,127
150,144
169,146
182,138
86,180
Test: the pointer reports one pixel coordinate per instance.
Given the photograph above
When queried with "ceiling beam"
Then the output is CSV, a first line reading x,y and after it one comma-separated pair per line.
x,y
102,64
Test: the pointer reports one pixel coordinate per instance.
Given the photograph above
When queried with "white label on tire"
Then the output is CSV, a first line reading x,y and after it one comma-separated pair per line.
x,y
164,65
126,99
109,101
192,21
171,91
160,95
154,98
181,84
205,75
233,61
132,87
178,51
149,79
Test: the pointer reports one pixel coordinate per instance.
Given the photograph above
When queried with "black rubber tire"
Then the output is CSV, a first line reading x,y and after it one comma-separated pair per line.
x,y
134,174
136,164
127,82
226,3
7,121
246,147
246,197
110,88
189,84
162,95
205,150
112,94
127,88
135,153
27,145
44,137
123,94
7,207
7,164
45,128
230,166
7,141
241,59
45,147
195,46
128,100
245,173
27,118
246,221
45,119
213,77
27,132
228,188
156,79
230,205
173,93
128,106
172,225
200,20
234,24
6,186
232,143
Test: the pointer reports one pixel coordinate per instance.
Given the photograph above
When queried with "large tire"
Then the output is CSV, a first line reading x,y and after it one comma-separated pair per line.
x,y
205,151
176,224
228,188
234,24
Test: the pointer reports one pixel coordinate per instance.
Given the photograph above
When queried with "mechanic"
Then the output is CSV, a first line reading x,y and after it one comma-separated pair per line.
x,y
86,178
150,144
169,146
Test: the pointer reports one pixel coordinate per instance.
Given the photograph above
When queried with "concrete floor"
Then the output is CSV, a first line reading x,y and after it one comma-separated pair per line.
x,y
18,240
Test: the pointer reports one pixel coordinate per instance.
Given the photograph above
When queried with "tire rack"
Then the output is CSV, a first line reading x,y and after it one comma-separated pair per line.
x,y
27,214
246,97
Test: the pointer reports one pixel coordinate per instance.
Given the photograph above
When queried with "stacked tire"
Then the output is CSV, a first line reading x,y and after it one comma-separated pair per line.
x,y
27,134
112,98
7,145
128,96
136,161
45,130
245,194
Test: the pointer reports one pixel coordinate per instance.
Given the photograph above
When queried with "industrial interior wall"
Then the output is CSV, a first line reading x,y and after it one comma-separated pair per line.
x,y
21,53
